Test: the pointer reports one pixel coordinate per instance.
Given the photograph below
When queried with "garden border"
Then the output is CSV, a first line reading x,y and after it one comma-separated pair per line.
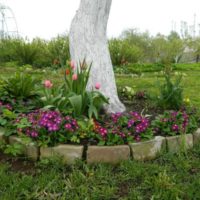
x,y
141,151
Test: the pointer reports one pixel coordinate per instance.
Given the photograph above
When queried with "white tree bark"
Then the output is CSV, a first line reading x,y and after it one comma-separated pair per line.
x,y
88,40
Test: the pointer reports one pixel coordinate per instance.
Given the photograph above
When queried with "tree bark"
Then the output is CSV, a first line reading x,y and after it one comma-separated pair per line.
x,y
88,40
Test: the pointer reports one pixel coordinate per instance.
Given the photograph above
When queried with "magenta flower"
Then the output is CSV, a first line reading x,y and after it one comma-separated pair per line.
x,y
175,127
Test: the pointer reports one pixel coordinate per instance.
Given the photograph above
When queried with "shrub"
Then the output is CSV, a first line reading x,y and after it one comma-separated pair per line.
x,y
170,92
58,51
20,86
123,53
7,49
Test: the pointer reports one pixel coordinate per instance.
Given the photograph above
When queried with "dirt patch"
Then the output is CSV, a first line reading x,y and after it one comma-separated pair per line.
x,y
143,106
123,189
18,164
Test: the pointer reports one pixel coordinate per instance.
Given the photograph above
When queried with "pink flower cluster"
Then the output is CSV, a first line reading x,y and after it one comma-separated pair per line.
x,y
124,126
100,130
175,118
51,120
46,121
70,124
139,123
115,117
171,123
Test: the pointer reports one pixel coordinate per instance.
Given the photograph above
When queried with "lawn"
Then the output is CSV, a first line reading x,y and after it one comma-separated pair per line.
x,y
169,177
147,81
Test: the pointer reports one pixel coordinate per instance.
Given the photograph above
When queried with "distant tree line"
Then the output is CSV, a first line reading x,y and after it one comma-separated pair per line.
x,y
130,47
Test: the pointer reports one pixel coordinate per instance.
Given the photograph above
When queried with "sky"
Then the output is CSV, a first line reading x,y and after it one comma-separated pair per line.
x,y
48,18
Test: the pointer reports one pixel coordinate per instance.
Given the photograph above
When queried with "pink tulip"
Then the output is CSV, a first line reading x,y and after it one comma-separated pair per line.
x,y
72,64
97,86
74,77
48,84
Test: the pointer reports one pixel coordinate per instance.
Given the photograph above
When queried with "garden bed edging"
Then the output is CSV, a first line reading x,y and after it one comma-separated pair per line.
x,y
196,136
178,142
69,153
2,135
108,154
140,151
148,150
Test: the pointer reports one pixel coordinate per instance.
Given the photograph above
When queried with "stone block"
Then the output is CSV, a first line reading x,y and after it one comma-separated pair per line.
x,y
176,143
148,150
69,153
108,154
196,137
2,136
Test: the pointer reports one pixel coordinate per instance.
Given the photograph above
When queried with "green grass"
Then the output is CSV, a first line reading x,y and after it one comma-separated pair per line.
x,y
147,81
170,177
190,83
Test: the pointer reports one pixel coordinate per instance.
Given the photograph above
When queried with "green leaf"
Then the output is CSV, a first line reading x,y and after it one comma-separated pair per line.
x,y
92,111
76,102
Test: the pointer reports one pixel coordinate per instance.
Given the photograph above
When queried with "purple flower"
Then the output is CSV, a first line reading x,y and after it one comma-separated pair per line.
x,y
130,123
115,117
175,127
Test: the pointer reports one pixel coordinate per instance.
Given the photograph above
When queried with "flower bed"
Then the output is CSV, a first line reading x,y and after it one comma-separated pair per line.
x,y
54,119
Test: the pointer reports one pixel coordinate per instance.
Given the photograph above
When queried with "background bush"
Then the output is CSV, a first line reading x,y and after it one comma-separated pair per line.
x,y
131,47
38,52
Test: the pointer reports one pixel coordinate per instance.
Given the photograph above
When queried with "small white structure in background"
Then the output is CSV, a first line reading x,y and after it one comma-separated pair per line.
x,y
8,23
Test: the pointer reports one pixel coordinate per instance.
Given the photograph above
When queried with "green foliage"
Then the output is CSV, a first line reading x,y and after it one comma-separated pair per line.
x,y
55,98
38,52
123,53
7,50
20,86
13,149
58,50
26,52
170,92
83,102
6,120
127,92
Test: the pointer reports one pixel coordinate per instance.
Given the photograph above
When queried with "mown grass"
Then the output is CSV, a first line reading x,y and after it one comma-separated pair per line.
x,y
169,177
149,81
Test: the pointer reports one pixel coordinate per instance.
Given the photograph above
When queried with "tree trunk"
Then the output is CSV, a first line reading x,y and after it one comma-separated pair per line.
x,y
88,40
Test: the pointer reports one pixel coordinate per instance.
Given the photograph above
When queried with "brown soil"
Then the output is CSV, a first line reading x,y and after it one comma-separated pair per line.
x,y
142,106
18,164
